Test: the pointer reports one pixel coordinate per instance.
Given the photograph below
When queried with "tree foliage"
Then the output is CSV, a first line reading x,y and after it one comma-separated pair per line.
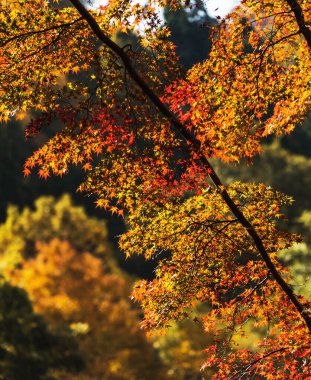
x,y
144,134
64,264
74,289
50,219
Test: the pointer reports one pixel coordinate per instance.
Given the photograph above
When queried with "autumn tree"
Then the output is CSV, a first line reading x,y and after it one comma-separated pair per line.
x,y
60,256
51,218
145,133
74,289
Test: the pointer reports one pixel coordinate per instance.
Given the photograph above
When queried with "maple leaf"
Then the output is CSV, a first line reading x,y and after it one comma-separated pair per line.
x,y
43,173
75,69
26,172
114,210
87,166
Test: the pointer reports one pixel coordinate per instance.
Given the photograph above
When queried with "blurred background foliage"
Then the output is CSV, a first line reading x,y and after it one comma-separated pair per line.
x,y
28,348
65,311
62,258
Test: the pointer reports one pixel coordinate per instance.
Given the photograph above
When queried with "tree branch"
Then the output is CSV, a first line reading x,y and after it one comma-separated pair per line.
x,y
245,369
195,146
41,31
298,12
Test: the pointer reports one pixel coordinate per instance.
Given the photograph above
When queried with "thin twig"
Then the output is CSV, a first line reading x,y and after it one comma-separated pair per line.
x,y
41,31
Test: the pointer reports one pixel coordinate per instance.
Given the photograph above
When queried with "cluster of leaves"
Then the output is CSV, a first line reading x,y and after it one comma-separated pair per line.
x,y
289,173
40,44
212,260
256,74
135,161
